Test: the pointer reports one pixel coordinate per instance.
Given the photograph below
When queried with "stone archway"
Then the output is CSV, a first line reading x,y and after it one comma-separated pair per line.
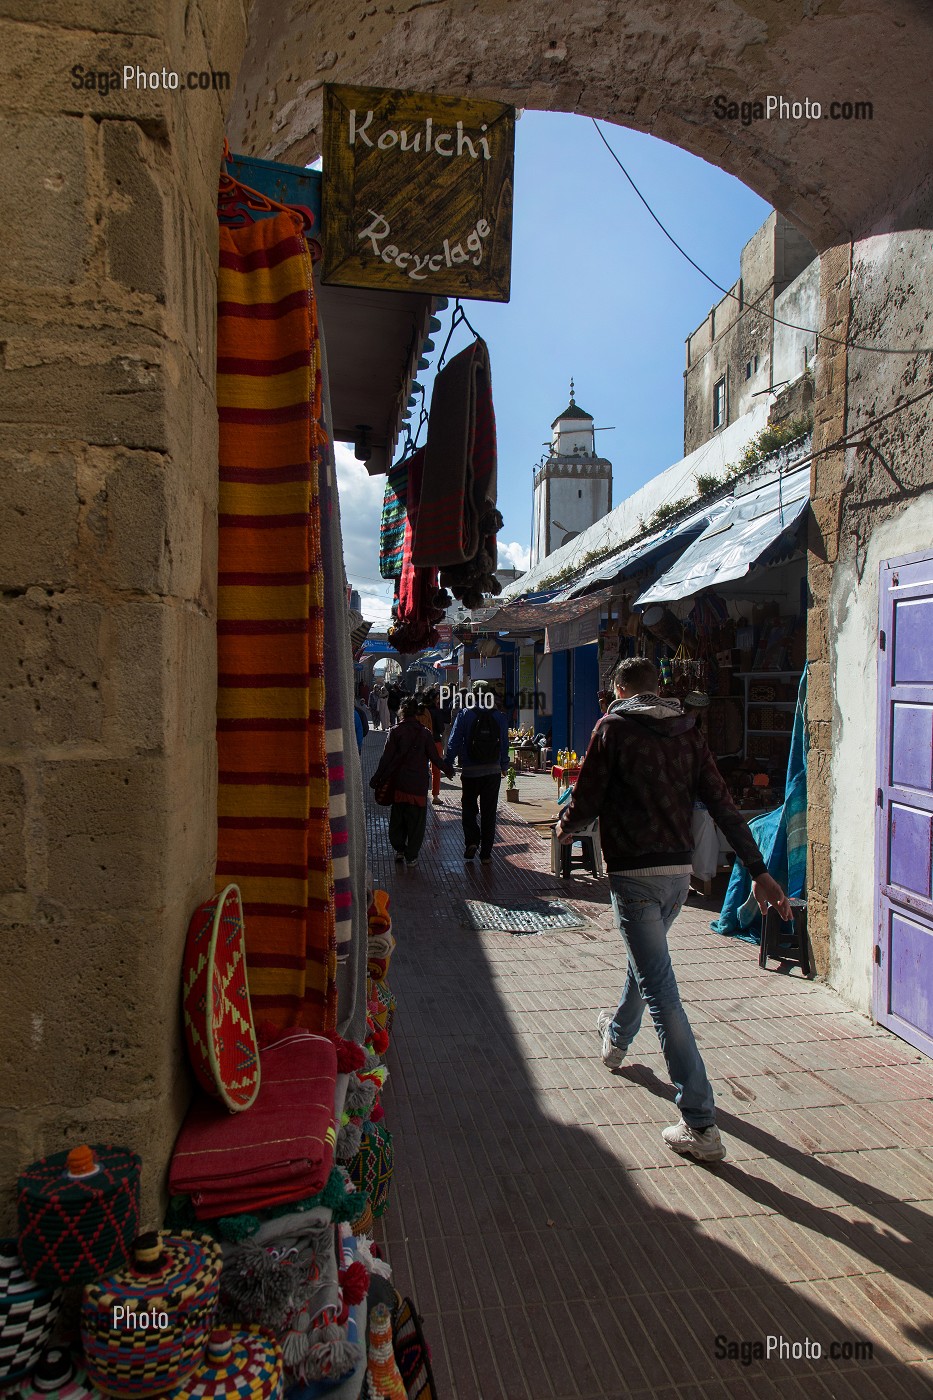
x,y
108,458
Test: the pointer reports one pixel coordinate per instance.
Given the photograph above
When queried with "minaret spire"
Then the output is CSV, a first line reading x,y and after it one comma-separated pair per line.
x,y
572,399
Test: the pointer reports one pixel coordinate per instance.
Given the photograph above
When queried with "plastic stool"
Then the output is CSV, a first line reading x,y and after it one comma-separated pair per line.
x,y
591,856
787,942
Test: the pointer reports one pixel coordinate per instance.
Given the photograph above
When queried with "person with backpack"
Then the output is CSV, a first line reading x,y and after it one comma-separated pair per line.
x,y
645,766
480,740
403,774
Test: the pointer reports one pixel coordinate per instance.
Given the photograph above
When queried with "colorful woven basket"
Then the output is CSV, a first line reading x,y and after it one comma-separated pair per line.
x,y
215,1000
384,1015
383,1375
238,1366
371,1168
412,1353
58,1378
78,1213
27,1315
145,1328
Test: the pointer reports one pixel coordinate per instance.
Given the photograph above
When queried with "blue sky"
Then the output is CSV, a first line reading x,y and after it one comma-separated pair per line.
x,y
598,293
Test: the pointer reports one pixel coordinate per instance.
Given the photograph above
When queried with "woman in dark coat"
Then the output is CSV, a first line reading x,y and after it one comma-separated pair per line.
x,y
406,761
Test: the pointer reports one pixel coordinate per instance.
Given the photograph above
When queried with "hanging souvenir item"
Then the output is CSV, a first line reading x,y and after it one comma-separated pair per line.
x,y
78,1213
421,603
457,518
27,1315
215,997
392,524
56,1377
385,1381
237,1366
145,1327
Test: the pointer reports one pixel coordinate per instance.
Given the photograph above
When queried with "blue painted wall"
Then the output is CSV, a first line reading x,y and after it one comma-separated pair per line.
x,y
585,695
560,709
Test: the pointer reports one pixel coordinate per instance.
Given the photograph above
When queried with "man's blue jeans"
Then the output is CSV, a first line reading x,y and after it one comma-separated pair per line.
x,y
645,907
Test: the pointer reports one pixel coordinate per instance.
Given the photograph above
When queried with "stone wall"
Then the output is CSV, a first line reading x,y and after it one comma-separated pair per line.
x,y
107,567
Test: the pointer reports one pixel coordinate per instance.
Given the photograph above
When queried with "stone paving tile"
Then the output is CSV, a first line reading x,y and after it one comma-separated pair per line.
x,y
556,1249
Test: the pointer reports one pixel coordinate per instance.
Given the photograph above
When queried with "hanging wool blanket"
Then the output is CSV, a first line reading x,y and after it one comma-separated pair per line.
x,y
274,832
457,519
282,1150
392,525
420,605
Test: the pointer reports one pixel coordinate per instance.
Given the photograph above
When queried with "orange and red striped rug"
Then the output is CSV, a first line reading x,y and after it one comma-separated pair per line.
x,y
272,801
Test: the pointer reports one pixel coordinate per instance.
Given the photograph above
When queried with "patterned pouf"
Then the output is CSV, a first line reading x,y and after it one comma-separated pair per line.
x,y
371,1169
78,1213
27,1315
215,998
145,1328
58,1378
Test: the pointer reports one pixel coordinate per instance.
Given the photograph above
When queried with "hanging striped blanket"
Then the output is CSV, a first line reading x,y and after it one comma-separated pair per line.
x,y
392,525
272,801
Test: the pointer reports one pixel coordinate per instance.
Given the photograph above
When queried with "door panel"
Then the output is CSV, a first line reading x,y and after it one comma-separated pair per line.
x,y
903,974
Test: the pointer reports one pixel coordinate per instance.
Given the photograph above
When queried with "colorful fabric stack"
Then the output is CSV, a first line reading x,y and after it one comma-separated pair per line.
x,y
280,1151
171,1290
392,525
456,518
273,818
78,1213
215,999
420,603
27,1315
239,1365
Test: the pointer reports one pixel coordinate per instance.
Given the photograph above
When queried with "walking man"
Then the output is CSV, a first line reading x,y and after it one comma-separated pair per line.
x,y
480,740
405,764
646,765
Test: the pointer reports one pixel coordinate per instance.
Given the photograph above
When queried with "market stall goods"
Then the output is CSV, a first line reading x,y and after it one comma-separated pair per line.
x,y
219,1029
78,1213
145,1328
57,1377
28,1312
281,1150
412,1353
238,1365
385,1380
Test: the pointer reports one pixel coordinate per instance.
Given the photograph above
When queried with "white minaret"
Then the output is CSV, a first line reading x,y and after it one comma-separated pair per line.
x,y
572,487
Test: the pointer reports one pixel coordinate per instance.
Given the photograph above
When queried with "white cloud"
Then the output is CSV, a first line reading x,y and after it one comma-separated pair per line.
x,y
514,556
360,512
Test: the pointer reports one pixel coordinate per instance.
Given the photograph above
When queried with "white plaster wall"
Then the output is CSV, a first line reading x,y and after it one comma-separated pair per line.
x,y
798,304
853,781
568,437
577,502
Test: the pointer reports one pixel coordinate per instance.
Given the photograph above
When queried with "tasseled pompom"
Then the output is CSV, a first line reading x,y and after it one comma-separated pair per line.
x,y
379,1041
348,1140
354,1280
329,1355
350,1056
365,1250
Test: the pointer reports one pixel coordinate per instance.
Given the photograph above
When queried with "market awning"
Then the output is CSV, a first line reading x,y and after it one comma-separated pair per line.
x,y
641,553
532,615
733,543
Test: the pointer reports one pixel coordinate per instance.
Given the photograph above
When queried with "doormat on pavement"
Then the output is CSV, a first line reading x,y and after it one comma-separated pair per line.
x,y
540,918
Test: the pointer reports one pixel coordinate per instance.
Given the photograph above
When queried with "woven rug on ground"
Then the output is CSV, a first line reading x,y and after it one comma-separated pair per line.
x,y
281,1150
534,918
272,801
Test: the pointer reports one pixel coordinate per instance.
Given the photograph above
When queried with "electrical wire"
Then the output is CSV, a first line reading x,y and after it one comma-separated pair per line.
x,y
769,316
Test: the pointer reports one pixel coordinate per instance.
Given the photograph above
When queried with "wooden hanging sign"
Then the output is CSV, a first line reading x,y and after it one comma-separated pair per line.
x,y
417,192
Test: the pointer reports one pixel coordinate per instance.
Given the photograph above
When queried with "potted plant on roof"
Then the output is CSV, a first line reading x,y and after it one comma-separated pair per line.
x,y
511,784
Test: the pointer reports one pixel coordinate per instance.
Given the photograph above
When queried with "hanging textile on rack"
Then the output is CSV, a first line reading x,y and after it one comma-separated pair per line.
x,y
392,524
274,832
457,517
420,602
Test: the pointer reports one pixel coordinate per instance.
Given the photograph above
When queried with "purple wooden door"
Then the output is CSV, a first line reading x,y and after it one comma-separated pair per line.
x,y
903,973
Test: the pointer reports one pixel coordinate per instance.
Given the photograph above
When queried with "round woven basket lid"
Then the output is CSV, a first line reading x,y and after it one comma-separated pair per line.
x,y
168,1273
58,1378
238,1366
78,1212
219,1027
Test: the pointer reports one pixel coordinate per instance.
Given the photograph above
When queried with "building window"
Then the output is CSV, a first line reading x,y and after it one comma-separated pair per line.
x,y
751,367
580,495
719,403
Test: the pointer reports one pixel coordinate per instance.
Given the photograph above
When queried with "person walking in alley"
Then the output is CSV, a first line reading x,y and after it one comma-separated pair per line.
x,y
480,740
405,764
393,700
644,768
433,713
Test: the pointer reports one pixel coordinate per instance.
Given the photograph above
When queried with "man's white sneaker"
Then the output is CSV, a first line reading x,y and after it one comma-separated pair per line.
x,y
611,1056
705,1145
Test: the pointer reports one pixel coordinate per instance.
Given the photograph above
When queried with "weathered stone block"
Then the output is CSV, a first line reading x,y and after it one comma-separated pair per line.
x,y
104,823
92,389
135,246
12,829
38,519
43,196
50,669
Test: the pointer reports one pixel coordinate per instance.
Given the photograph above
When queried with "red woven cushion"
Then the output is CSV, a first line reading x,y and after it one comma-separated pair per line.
x,y
215,997
281,1150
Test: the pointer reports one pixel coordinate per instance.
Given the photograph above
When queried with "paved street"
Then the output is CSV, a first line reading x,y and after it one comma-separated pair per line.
x,y
552,1243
